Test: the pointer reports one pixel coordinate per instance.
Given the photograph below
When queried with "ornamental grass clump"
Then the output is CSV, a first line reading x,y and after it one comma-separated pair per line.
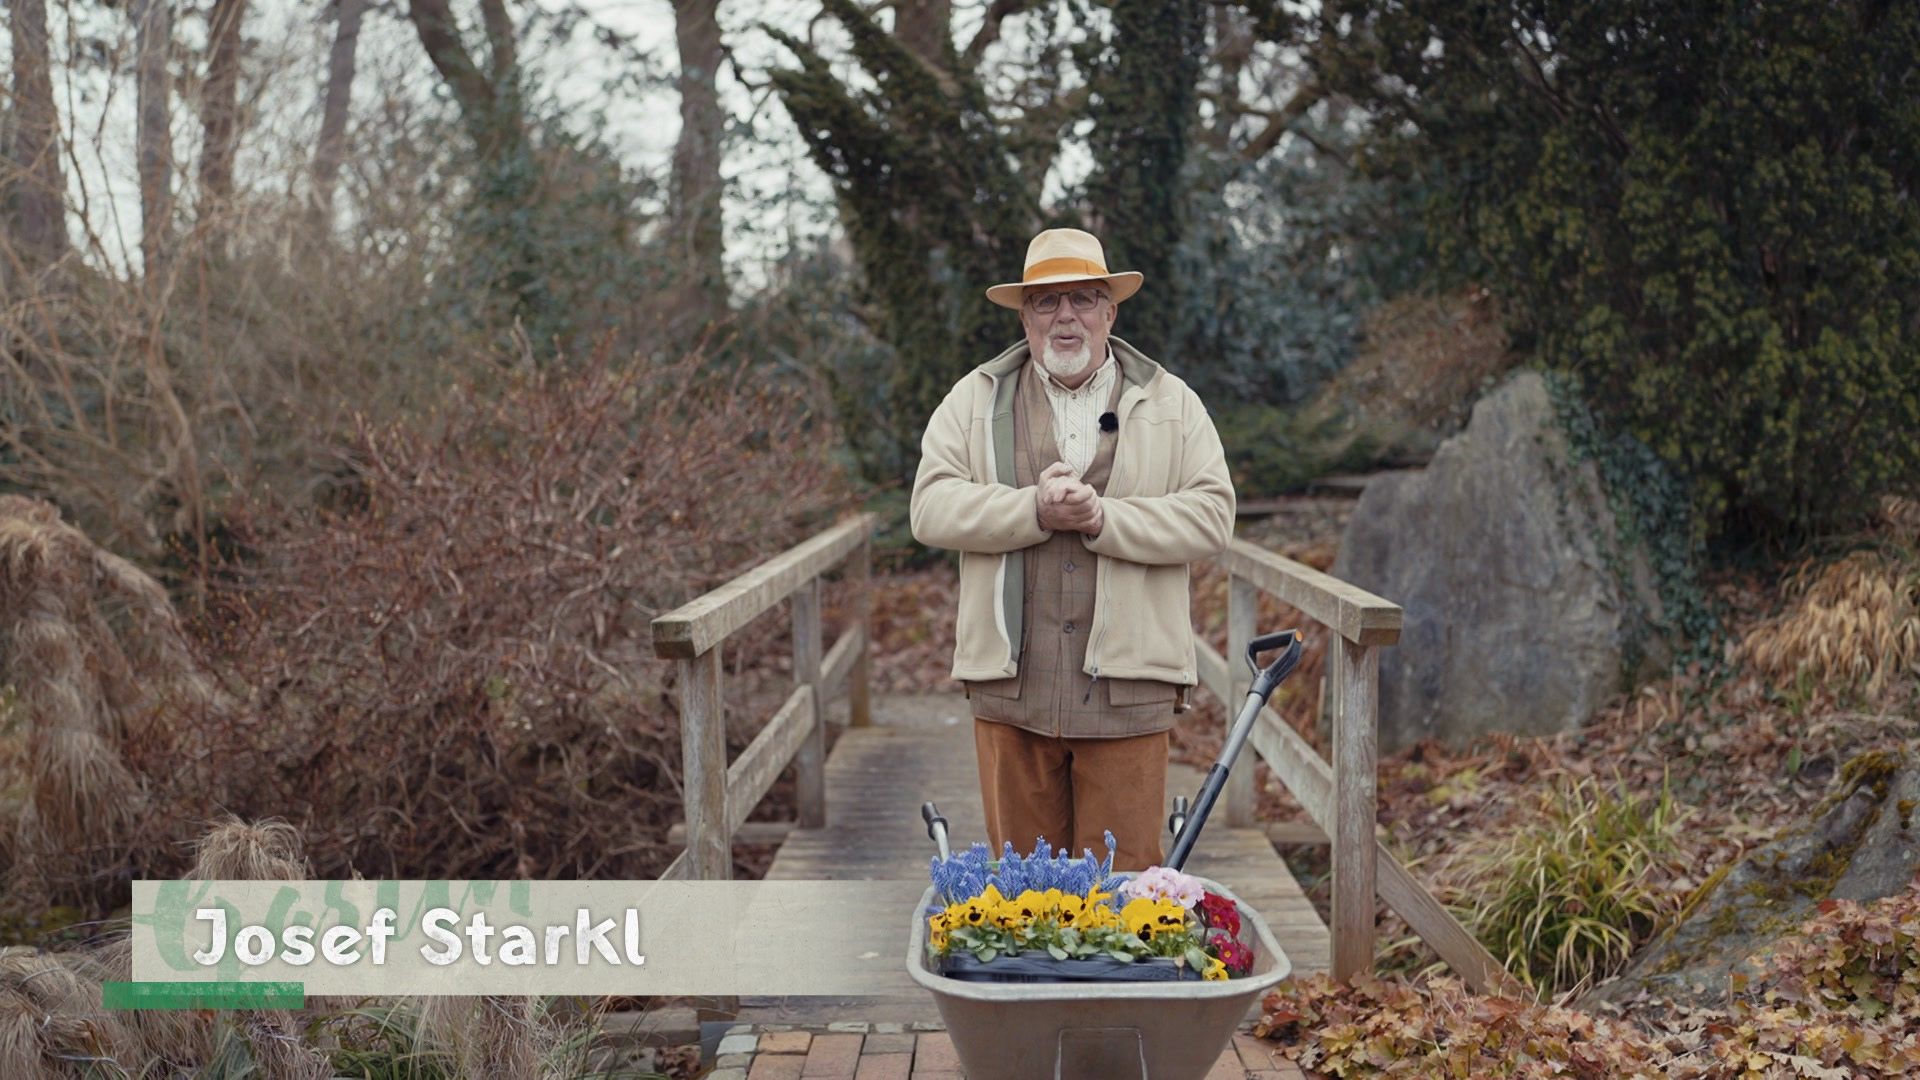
x,y
1078,909
1567,898
1852,622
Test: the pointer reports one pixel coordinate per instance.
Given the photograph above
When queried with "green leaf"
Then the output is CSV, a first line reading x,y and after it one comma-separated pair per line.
x,y
1195,956
1057,952
1123,957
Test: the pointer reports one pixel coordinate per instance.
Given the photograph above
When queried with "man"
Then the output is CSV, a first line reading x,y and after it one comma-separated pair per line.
x,y
1077,478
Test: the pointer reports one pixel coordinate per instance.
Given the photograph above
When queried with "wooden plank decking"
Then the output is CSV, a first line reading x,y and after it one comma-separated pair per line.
x,y
920,749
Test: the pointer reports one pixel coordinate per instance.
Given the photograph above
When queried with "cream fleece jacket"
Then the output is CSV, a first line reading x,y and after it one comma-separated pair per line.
x,y
1168,502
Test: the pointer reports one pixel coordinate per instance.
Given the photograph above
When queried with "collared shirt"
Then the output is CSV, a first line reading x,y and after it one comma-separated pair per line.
x,y
1076,413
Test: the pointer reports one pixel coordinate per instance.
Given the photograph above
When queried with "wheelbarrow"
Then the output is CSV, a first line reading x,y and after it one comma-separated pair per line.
x,y
1114,1030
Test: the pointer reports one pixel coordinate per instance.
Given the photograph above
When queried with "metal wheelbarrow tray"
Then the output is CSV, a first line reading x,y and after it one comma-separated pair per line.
x,y
1097,1031
1162,1029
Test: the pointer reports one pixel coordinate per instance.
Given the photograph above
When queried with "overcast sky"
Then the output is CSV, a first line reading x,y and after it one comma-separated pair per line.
x,y
775,195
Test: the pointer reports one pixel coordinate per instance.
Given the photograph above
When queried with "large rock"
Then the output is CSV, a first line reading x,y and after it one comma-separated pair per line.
x,y
1522,612
1861,844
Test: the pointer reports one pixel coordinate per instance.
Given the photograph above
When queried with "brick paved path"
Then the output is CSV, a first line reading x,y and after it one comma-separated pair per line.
x,y
857,1051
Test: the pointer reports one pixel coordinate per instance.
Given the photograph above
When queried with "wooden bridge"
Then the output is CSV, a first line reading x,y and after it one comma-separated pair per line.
x,y
858,814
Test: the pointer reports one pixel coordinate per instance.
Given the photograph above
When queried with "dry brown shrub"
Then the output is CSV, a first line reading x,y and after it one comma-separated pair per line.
x,y
1852,621
447,672
1422,363
135,403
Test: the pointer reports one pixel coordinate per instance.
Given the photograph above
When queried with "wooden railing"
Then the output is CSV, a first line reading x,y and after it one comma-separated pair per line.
x,y
719,795
1339,797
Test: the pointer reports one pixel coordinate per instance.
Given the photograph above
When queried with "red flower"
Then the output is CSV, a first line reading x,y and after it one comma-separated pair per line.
x,y
1220,913
1229,951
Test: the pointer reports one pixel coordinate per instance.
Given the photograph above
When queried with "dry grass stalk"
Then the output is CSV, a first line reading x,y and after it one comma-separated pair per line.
x,y
69,1028
168,1040
21,1053
1901,514
279,1050
76,624
1853,621
237,851
503,1037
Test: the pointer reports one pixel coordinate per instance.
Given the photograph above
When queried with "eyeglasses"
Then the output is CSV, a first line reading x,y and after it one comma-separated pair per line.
x,y
1081,299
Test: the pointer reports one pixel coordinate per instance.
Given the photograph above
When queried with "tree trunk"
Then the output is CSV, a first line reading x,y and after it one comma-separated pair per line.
x,y
219,107
926,28
477,96
331,148
695,217
39,188
1146,107
153,34
501,54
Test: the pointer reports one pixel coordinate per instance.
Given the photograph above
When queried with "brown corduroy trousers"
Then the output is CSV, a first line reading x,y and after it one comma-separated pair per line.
x,y
1070,791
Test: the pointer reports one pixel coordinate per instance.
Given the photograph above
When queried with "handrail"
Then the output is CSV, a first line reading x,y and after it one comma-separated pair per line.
x,y
1347,610
701,623
720,795
1339,797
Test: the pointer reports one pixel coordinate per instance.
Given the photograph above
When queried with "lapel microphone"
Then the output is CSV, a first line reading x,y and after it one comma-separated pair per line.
x,y
1109,422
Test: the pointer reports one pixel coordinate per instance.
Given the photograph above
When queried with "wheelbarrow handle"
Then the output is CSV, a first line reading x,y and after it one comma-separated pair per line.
x,y
1265,681
936,829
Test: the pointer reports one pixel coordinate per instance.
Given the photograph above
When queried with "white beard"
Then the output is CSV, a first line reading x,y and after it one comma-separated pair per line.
x,y
1064,366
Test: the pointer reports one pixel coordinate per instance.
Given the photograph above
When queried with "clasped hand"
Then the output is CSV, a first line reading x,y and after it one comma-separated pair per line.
x,y
1066,503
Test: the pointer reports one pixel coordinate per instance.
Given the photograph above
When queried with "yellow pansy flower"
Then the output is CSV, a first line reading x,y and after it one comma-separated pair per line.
x,y
974,912
1068,910
1148,918
1032,905
1094,916
937,927
1216,971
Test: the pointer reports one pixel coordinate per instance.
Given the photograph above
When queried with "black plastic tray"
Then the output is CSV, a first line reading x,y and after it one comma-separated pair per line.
x,y
1039,967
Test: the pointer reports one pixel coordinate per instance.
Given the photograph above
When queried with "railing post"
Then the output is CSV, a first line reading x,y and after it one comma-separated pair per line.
x,y
860,578
703,755
1243,605
811,761
1355,727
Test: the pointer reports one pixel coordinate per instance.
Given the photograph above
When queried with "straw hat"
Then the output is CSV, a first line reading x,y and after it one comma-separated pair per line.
x,y
1059,255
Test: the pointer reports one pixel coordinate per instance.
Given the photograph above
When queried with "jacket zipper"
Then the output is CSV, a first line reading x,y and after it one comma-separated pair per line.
x,y
1099,598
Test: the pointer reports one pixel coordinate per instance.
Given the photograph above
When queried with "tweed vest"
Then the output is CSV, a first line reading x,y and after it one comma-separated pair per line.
x,y
1053,694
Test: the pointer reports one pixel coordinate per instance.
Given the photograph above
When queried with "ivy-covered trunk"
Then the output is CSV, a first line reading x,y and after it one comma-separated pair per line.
x,y
1144,108
939,195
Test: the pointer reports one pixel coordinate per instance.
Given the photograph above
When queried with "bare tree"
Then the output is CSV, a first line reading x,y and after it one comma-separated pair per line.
x,y
39,195
694,216
153,36
329,150
488,99
219,106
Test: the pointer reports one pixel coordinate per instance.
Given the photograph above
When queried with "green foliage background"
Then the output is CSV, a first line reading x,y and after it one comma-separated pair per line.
x,y
1706,211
